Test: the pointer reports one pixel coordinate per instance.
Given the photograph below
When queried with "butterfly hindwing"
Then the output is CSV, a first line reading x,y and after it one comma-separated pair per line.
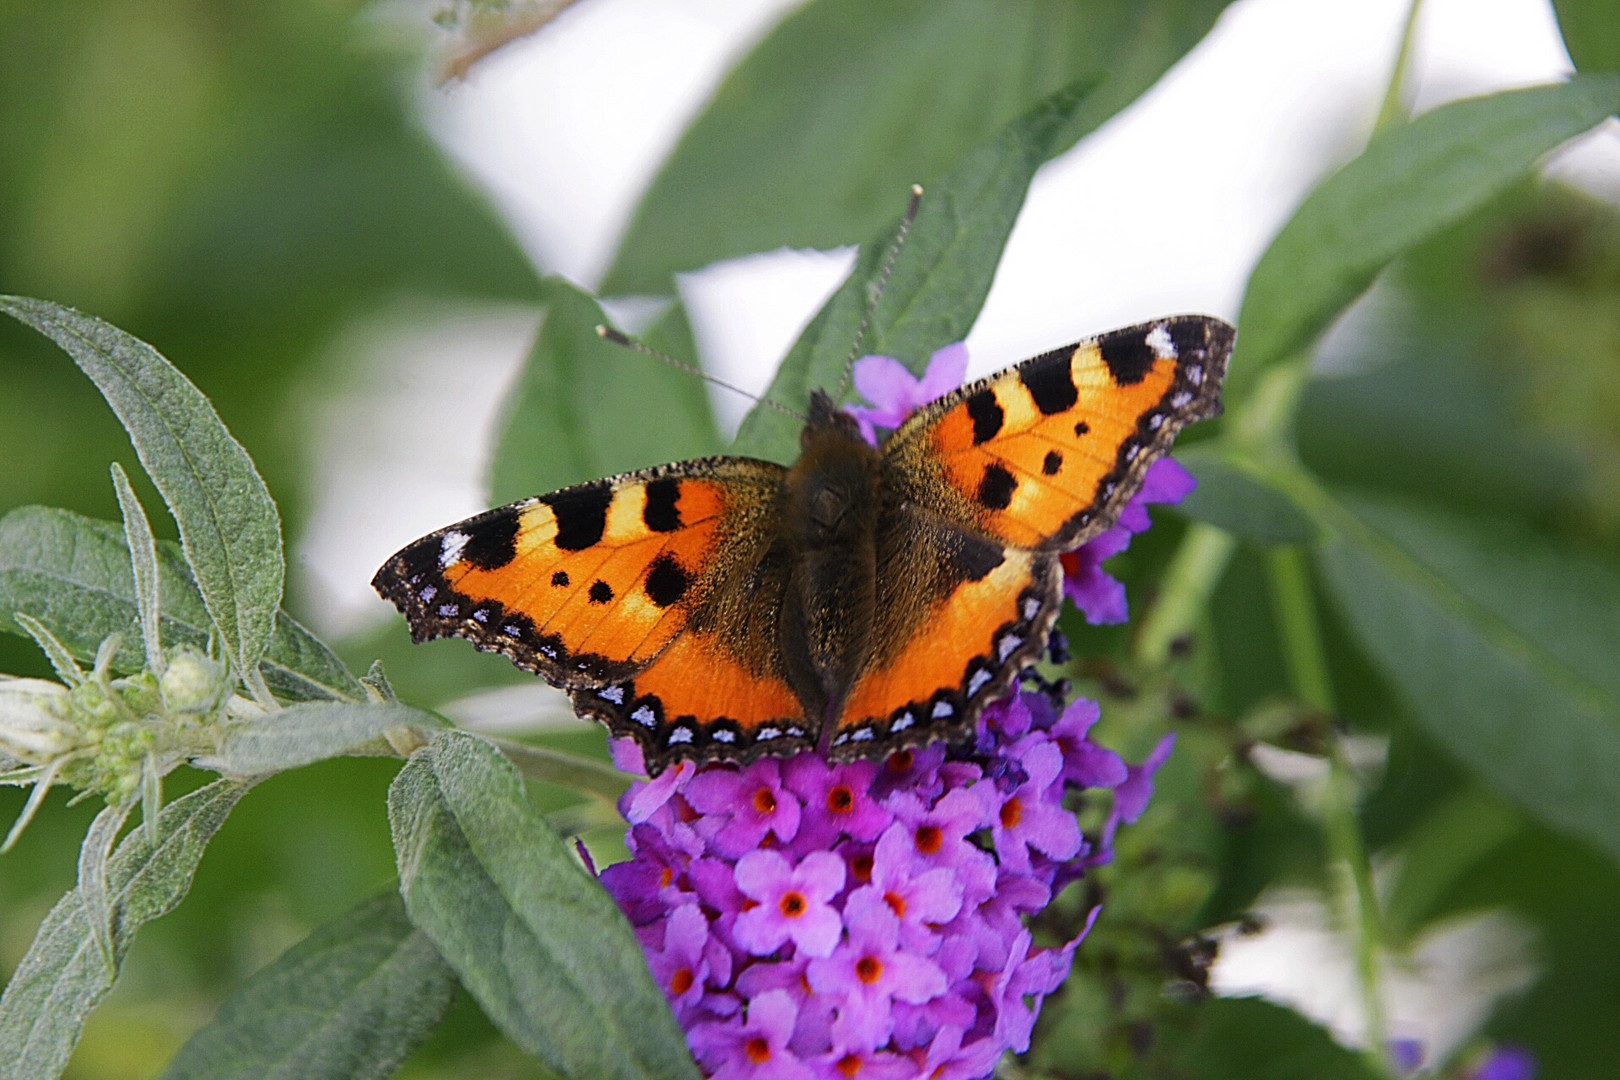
x,y
1044,455
957,617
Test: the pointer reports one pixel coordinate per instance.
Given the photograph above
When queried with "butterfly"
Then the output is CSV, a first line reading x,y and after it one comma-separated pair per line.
x,y
863,600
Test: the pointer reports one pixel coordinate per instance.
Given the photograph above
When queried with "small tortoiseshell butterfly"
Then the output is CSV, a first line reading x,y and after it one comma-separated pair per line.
x,y
861,601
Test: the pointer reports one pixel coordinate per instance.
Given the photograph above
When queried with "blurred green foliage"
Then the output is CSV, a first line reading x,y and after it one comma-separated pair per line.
x,y
237,182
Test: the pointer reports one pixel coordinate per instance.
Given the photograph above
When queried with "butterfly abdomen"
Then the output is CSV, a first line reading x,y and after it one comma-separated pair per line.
x,y
830,507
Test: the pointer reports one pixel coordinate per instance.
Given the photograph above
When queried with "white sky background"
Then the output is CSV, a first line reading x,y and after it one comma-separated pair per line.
x,y
566,129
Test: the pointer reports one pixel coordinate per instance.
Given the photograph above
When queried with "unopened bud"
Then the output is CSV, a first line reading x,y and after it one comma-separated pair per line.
x,y
34,720
193,684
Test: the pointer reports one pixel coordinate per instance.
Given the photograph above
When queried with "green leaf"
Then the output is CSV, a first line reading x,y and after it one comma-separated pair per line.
x,y
532,936
1411,181
1240,502
229,528
1503,645
584,407
72,573
314,731
1591,33
813,138
144,567
939,280
63,976
1251,1039
349,1002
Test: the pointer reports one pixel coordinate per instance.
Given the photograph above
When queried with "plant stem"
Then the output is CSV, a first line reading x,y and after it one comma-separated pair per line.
x,y
1193,573
1306,661
566,770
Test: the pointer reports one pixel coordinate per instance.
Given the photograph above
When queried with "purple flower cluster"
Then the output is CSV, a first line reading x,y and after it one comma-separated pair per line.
x,y
808,919
866,919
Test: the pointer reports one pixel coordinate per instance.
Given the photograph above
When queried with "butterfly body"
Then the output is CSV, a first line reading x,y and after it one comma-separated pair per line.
x,y
862,600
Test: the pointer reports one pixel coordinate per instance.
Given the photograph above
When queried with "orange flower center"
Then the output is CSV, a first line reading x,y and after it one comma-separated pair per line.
x,y
896,903
849,1065
758,1050
869,969
793,904
765,801
841,800
861,867
900,760
929,839
1011,812
681,981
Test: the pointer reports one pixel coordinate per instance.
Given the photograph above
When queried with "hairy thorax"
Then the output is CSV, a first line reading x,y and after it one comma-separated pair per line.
x,y
832,501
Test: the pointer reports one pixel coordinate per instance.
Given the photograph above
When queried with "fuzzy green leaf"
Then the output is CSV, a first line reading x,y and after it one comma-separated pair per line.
x,y
349,1002
63,975
314,731
532,936
72,573
1503,645
584,407
813,138
1410,182
228,523
939,280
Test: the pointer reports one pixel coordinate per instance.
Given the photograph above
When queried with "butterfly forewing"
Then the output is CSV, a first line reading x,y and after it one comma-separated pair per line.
x,y
1046,454
589,585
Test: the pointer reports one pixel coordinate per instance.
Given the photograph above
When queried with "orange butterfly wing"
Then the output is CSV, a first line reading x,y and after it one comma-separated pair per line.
x,y
636,594
1023,465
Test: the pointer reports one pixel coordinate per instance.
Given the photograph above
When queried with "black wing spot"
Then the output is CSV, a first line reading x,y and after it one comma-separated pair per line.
x,y
601,592
1048,381
667,581
987,415
1081,427
581,515
1053,462
560,579
976,557
661,514
1129,357
996,488
493,543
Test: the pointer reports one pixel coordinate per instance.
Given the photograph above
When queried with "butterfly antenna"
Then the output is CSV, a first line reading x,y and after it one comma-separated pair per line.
x,y
875,290
647,350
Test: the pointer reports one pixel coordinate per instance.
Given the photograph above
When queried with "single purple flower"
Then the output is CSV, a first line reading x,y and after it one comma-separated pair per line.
x,y
1406,1055
758,1048
792,902
921,901
743,805
1099,596
870,970
1131,797
1085,764
1506,1062
1028,816
688,959
840,798
895,392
